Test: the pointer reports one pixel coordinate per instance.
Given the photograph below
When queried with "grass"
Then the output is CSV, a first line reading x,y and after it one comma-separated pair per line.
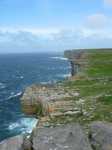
x,y
107,100
91,87
95,88
100,64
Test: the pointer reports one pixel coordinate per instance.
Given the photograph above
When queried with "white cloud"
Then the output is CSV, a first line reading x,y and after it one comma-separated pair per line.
x,y
108,2
97,20
26,39
30,40
37,31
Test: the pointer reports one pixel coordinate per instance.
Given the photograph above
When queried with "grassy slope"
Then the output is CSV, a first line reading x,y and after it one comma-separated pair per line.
x,y
95,88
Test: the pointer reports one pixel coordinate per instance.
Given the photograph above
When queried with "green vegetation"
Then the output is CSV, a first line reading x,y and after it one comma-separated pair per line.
x,y
100,64
91,87
107,100
39,110
95,88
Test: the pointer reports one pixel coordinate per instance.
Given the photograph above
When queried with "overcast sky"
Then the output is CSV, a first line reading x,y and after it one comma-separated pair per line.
x,y
54,25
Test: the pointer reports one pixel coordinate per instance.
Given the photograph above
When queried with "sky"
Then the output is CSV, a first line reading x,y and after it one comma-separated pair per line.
x,y
54,25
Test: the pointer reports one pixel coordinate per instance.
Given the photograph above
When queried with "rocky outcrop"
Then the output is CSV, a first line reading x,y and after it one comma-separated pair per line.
x,y
67,137
50,103
15,143
77,60
40,100
101,135
63,137
20,142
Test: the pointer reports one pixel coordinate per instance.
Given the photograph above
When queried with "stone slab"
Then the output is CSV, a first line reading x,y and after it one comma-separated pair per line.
x,y
66,137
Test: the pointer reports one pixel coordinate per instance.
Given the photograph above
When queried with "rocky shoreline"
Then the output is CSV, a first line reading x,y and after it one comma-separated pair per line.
x,y
64,137
58,107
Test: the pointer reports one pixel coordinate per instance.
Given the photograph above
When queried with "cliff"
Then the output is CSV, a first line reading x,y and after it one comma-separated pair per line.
x,y
87,94
78,58
43,100
69,112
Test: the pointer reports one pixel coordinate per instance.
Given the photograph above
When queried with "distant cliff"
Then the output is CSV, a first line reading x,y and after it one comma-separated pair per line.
x,y
78,58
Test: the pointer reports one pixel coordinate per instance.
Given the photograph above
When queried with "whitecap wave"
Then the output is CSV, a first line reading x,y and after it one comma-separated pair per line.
x,y
21,77
60,58
18,77
24,125
2,85
64,75
14,95
49,82
44,83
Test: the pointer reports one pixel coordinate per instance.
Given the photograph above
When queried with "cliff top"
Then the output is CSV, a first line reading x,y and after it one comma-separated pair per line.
x,y
89,92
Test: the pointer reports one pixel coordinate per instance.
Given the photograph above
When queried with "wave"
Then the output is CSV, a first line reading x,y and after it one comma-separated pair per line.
x,y
2,86
14,95
49,82
24,125
60,58
64,75
44,83
21,77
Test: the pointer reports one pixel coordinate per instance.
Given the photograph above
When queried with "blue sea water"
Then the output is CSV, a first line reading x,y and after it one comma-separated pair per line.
x,y
18,71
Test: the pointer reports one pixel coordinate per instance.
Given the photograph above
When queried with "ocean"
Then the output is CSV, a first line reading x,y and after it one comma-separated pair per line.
x,y
17,71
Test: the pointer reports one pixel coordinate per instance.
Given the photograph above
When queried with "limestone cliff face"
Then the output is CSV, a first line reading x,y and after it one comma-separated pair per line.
x,y
37,99
77,60
41,100
34,100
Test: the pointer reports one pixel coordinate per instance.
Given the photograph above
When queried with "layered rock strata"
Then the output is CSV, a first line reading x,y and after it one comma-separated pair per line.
x,y
44,100
77,59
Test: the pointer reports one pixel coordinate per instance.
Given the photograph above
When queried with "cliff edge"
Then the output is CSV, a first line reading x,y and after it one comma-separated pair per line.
x,y
75,113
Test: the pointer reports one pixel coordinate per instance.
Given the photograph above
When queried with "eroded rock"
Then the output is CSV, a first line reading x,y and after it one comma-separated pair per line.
x,y
101,135
38,99
14,143
67,137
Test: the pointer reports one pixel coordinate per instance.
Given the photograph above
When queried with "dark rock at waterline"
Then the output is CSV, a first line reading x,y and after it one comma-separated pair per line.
x,y
101,135
14,143
20,142
63,137
67,137
27,144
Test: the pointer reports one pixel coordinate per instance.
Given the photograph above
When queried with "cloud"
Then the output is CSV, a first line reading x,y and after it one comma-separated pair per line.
x,y
108,2
55,40
26,39
97,20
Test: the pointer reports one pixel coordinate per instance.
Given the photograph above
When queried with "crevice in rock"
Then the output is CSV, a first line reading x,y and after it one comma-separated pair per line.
x,y
27,143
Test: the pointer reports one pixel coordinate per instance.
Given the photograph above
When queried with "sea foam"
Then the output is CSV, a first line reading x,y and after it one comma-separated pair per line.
x,y
24,125
64,75
14,95
60,58
2,85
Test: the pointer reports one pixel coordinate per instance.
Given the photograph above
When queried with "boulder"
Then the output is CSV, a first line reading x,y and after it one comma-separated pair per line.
x,y
101,135
66,137
14,143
